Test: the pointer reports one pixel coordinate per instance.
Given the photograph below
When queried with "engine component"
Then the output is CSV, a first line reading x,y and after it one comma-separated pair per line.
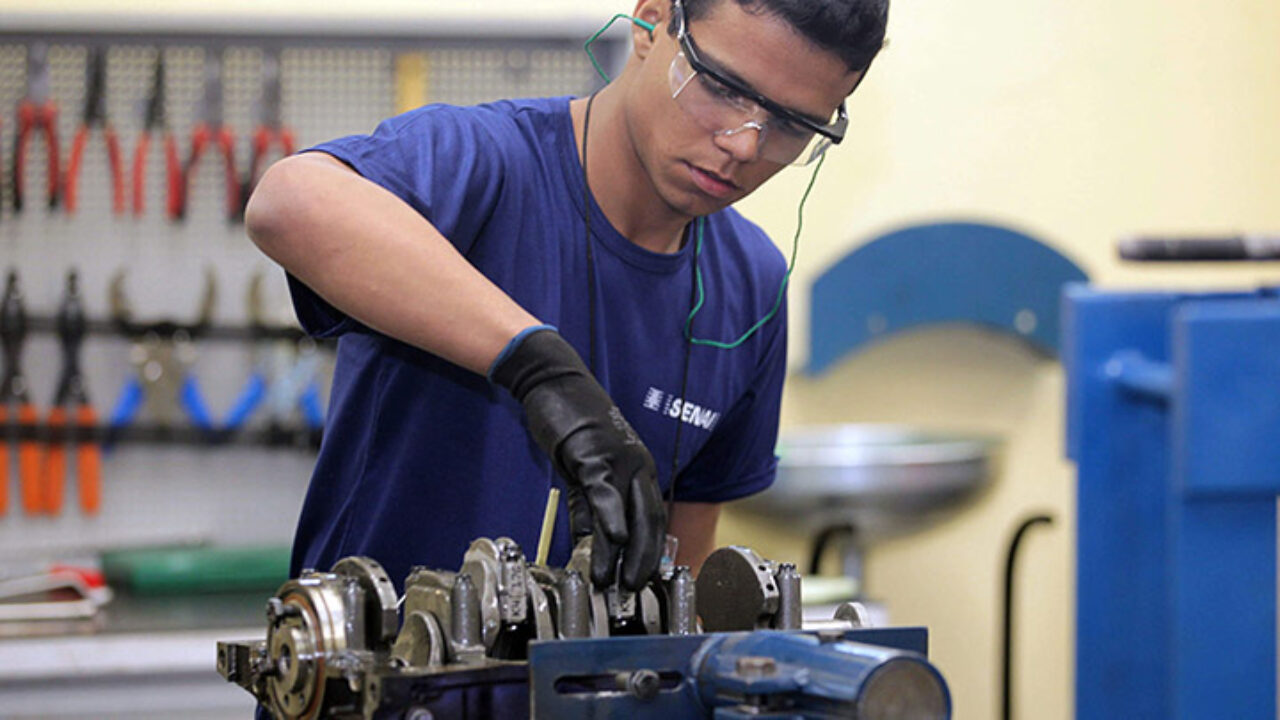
x,y
500,636
738,590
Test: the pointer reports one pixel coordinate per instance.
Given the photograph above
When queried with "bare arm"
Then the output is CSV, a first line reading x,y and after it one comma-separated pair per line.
x,y
369,254
695,525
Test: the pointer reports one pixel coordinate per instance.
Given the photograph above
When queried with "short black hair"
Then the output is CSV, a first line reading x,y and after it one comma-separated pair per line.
x,y
852,29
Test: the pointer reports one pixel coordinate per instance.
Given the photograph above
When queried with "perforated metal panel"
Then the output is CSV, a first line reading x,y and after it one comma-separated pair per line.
x,y
468,75
330,87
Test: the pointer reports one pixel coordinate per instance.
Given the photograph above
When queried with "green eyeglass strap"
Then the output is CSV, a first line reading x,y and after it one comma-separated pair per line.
x,y
777,303
650,27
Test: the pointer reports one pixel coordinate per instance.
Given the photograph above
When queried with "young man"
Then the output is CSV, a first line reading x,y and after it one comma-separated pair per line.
x,y
520,289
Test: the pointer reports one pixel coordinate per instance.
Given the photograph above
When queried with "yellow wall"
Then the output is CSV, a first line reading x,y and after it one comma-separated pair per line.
x,y
1078,123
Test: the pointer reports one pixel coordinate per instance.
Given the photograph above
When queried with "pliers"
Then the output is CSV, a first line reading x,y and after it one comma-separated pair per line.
x,y
292,377
154,123
15,404
162,355
72,401
95,116
37,113
210,128
294,387
163,381
271,131
297,387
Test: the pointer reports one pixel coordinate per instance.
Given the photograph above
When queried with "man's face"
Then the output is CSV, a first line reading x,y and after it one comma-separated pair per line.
x,y
697,171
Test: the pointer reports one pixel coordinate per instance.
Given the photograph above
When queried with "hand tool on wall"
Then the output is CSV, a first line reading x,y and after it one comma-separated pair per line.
x,y
17,413
255,389
271,131
37,114
296,390
154,125
72,419
162,354
95,116
211,129
286,379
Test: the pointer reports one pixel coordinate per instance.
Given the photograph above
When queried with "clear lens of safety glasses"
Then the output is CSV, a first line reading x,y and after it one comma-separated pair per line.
x,y
722,111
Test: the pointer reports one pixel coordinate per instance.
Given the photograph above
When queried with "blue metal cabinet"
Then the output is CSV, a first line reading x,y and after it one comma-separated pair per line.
x,y
1174,424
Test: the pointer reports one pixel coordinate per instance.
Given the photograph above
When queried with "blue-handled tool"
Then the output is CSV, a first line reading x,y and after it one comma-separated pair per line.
x,y
163,385
285,378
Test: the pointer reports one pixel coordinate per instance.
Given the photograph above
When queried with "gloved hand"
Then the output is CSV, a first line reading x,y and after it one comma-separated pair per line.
x,y
613,486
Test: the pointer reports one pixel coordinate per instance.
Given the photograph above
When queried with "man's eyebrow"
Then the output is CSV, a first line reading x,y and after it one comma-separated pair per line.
x,y
720,69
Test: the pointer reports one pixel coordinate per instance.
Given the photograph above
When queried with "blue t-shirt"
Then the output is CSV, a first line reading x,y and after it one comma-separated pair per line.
x,y
420,456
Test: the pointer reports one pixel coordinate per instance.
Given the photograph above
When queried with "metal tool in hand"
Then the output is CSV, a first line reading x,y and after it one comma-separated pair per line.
x,y
162,354
271,132
154,125
210,128
95,116
72,419
17,413
37,115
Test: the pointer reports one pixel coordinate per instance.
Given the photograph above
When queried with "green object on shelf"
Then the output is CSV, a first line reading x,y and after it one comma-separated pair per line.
x,y
156,571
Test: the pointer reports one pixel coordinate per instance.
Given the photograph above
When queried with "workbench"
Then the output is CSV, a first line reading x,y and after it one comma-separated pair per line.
x,y
148,658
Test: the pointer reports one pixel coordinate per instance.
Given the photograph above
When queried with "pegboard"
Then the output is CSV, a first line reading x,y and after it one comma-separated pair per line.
x,y
330,86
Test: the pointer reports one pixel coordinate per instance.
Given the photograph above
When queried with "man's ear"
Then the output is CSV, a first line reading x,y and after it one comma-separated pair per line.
x,y
653,13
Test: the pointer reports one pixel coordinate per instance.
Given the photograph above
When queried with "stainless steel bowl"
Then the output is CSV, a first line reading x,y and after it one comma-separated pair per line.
x,y
883,480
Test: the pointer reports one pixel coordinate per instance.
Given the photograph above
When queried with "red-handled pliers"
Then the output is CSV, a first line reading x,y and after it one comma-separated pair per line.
x,y
210,128
95,115
154,123
37,113
271,131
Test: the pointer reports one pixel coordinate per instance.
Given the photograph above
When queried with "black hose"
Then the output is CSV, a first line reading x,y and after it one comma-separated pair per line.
x,y
824,539
1007,649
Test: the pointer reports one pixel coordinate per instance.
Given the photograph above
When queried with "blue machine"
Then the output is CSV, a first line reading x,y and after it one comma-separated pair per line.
x,y
1173,415
864,673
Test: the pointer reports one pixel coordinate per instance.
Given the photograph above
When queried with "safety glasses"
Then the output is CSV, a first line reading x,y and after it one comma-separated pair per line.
x,y
727,107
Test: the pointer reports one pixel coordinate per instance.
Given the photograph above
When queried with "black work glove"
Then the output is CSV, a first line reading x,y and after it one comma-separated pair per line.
x,y
613,485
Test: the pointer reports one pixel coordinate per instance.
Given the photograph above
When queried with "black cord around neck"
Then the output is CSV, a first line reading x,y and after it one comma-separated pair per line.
x,y
591,295
591,258
684,375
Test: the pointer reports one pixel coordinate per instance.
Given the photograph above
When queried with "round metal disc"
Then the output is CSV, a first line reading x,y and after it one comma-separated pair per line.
x,y
732,591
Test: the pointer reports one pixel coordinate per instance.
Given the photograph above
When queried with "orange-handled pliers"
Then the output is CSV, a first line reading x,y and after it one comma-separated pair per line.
x,y
17,414
95,116
37,113
154,124
271,131
211,129
72,417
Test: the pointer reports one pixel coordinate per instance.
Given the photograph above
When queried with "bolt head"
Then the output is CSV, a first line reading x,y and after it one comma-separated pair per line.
x,y
756,666
644,684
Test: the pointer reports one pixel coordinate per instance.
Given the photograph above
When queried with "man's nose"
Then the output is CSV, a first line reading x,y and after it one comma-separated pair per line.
x,y
743,142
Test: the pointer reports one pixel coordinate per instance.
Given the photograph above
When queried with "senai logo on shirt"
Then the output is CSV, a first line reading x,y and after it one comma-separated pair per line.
x,y
665,403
